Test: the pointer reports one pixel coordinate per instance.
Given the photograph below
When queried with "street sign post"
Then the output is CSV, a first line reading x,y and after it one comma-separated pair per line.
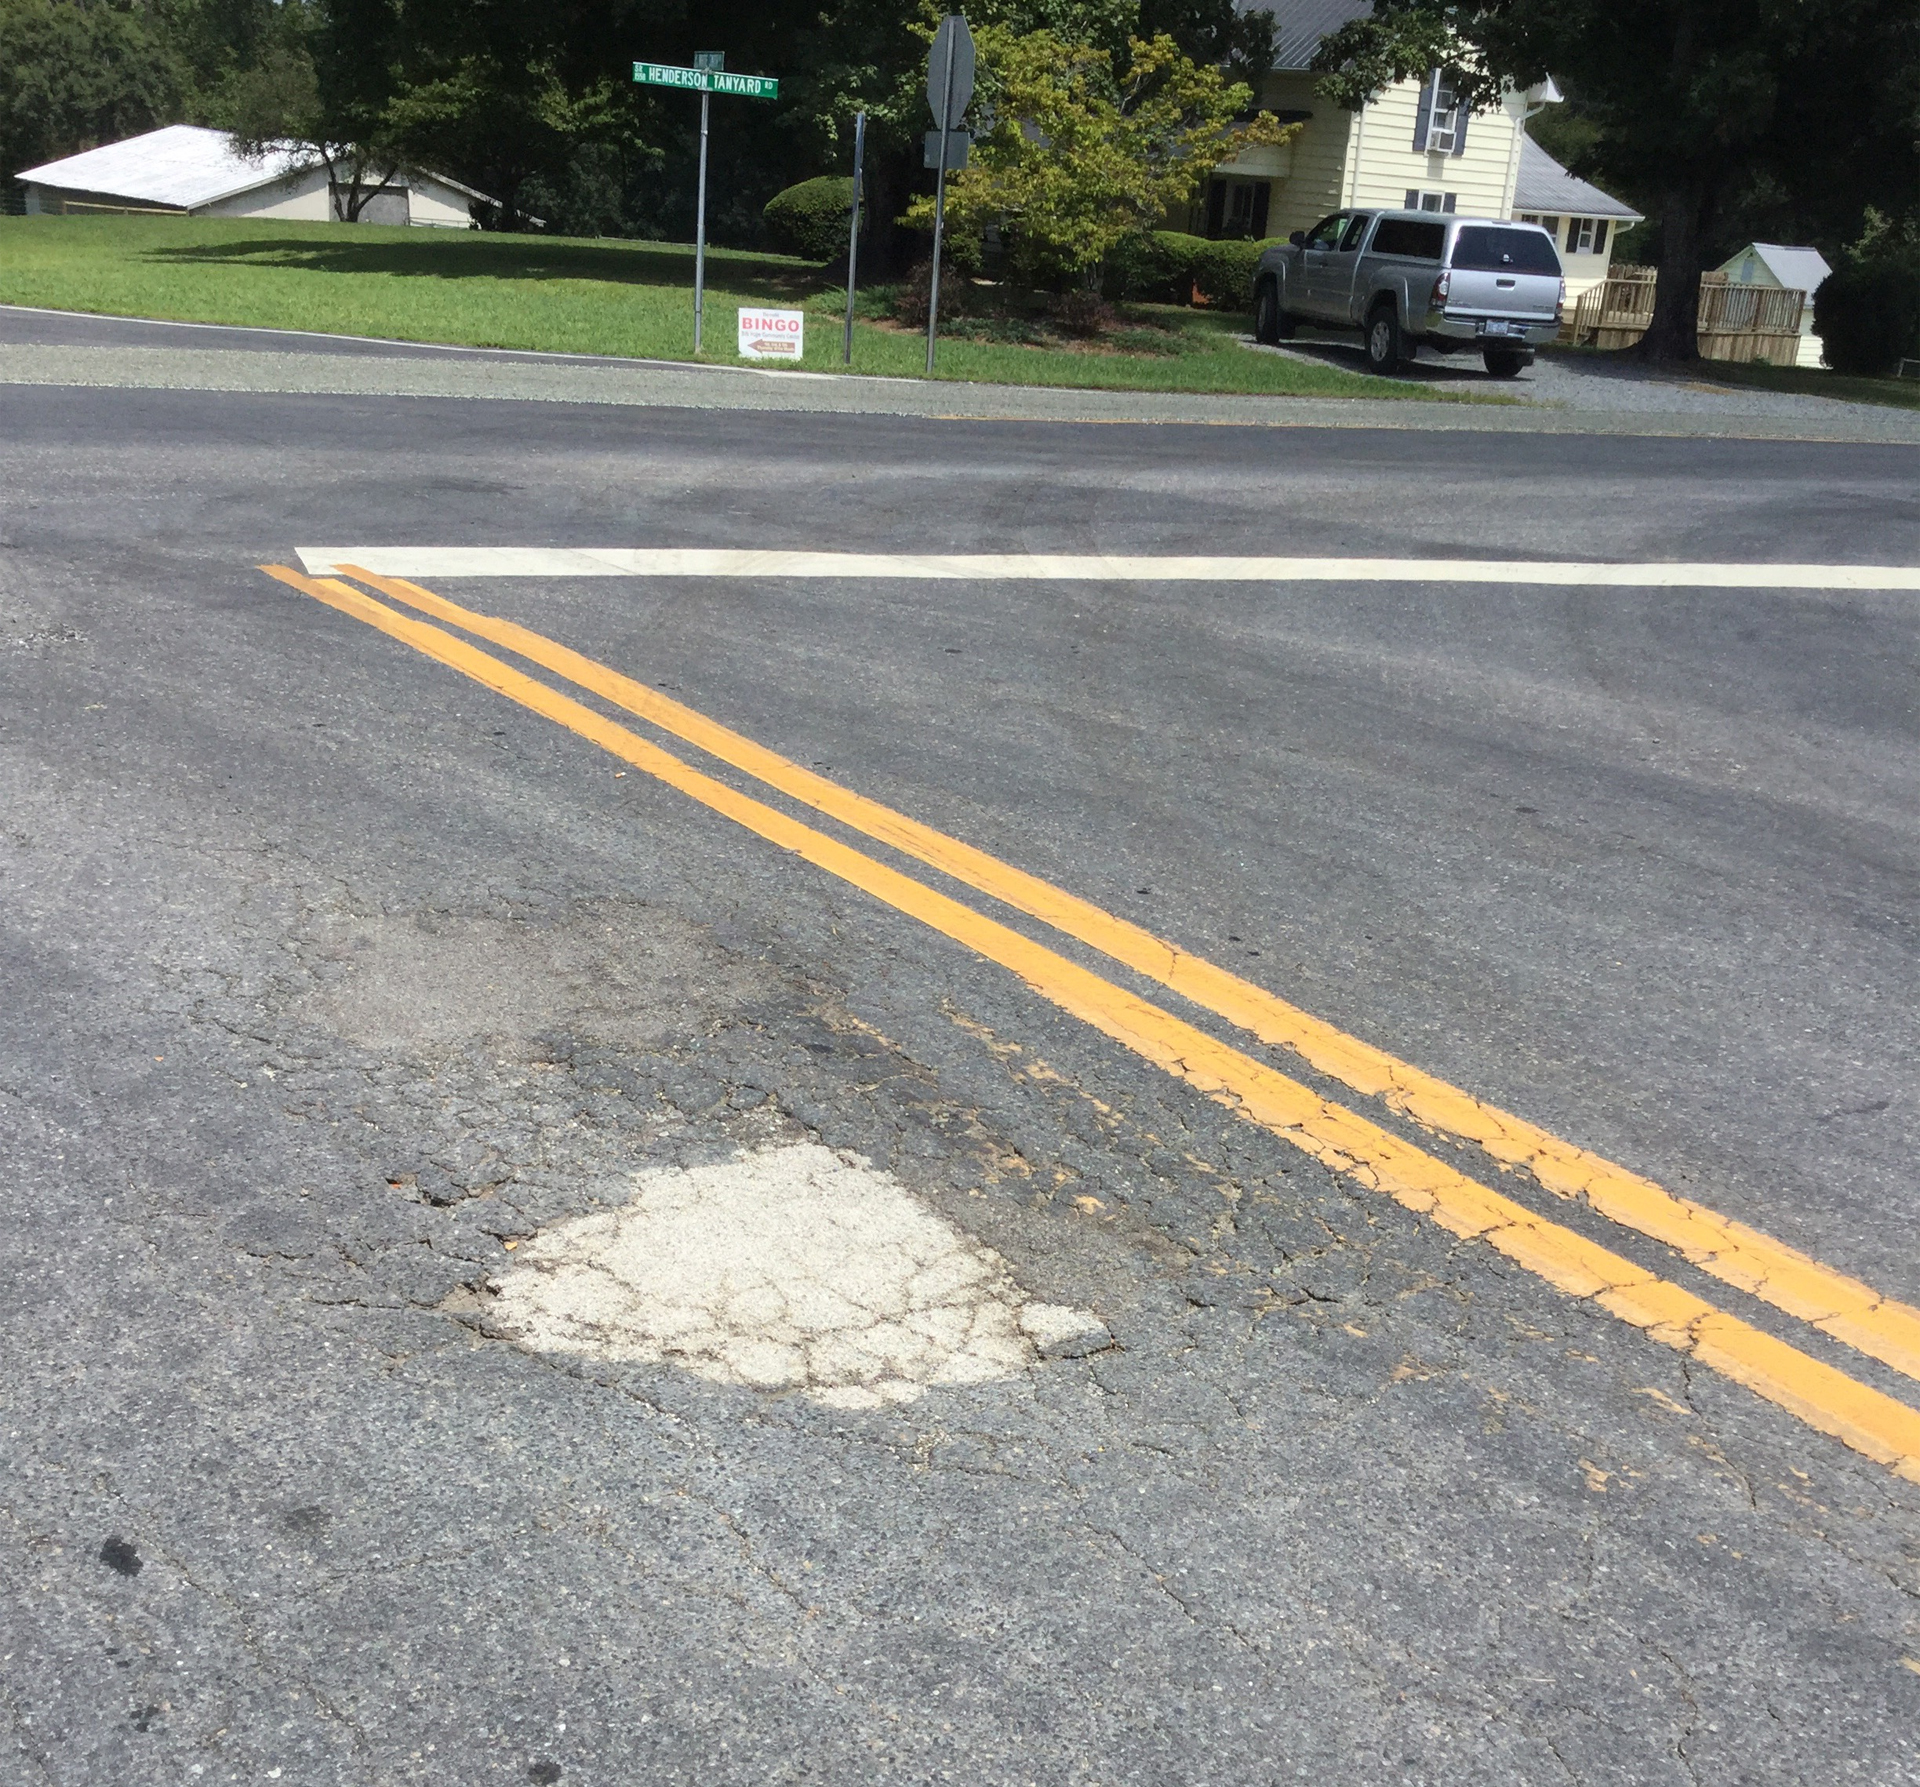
x,y
853,230
950,70
707,76
953,144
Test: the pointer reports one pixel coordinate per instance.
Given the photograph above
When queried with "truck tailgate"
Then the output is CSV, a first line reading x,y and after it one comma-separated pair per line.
x,y
1503,270
1530,296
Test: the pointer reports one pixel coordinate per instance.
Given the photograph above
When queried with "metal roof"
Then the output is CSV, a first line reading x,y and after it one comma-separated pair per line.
x,y
1546,187
181,165
1299,25
1798,269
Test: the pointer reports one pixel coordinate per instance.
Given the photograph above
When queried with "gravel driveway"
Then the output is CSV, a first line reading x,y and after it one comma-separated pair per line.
x,y
1579,380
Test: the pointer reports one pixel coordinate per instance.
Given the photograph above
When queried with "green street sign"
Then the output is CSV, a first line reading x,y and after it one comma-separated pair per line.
x,y
706,80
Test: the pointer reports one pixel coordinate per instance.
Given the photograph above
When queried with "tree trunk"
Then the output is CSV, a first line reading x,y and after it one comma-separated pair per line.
x,y
1674,332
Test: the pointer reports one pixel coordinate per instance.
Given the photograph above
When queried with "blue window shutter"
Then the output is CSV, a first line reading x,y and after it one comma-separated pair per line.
x,y
1446,204
1424,117
1413,198
1600,237
1459,130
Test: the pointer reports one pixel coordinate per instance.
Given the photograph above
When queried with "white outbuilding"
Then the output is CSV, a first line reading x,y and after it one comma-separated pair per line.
x,y
186,171
1794,269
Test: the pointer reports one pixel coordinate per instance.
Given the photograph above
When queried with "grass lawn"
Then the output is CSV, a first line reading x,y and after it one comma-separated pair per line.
x,y
575,296
1814,381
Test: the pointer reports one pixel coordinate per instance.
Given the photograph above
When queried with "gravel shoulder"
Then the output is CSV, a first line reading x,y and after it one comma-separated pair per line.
x,y
1560,395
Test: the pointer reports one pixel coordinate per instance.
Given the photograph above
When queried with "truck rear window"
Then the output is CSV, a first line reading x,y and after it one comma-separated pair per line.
x,y
1408,236
1480,249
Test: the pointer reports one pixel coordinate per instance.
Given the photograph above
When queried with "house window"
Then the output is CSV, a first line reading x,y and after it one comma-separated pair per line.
x,y
1586,235
1442,115
1418,200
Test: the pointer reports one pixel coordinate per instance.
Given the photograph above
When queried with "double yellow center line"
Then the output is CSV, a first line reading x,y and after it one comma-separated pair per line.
x,y
1345,1141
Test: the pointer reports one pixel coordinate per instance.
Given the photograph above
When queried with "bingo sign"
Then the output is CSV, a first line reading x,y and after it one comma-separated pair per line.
x,y
772,334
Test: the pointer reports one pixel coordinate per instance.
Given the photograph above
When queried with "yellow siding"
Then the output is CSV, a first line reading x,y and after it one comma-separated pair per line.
x,y
1316,184
1367,159
1481,178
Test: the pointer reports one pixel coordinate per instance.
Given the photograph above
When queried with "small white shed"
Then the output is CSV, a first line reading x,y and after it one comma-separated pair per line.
x,y
1790,269
186,171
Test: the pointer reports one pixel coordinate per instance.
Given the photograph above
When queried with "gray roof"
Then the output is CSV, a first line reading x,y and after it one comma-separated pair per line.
x,y
1546,187
1798,269
181,165
186,166
1299,25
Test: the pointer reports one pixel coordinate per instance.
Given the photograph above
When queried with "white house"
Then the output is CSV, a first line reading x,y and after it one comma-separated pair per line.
x,y
185,171
1582,219
1413,147
1791,269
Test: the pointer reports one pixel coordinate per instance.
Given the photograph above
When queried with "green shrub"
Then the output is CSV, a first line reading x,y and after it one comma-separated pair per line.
x,y
1223,273
1154,267
1867,312
811,219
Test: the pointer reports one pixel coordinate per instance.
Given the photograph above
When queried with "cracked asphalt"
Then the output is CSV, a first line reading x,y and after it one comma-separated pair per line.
x,y
325,974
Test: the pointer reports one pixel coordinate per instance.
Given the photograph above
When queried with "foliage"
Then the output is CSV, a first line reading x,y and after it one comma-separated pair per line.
x,y
811,219
73,75
1168,267
1223,273
532,101
1691,102
1087,148
1153,267
1867,310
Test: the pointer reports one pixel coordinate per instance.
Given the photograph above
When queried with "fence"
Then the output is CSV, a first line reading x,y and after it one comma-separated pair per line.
x,y
1737,323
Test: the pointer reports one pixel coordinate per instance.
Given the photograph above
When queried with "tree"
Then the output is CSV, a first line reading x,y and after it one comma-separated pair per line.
x,y
1088,147
1691,101
76,75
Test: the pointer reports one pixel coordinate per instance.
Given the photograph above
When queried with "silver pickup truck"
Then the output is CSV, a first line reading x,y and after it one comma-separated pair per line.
x,y
1408,278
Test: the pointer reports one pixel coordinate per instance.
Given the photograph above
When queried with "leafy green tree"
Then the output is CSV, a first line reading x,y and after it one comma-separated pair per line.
x,y
1087,148
77,73
1689,101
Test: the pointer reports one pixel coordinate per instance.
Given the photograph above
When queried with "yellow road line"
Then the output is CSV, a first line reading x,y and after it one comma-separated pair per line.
x,y
1833,1302
1823,1397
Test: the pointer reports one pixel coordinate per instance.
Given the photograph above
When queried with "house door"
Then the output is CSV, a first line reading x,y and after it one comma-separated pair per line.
x,y
1237,209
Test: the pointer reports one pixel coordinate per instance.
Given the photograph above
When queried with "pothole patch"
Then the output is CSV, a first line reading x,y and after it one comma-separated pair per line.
x,y
787,1268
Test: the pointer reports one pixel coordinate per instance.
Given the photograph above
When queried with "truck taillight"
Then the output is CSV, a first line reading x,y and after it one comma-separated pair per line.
x,y
1441,287
1560,305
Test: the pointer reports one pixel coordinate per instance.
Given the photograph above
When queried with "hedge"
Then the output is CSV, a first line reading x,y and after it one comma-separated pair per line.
x,y
1867,312
1166,267
811,219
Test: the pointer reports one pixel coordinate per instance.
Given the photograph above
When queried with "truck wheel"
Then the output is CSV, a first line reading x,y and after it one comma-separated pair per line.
x,y
1266,313
1384,348
1503,362
1271,324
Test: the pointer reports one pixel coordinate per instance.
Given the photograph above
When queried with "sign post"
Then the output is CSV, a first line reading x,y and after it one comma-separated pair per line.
x,y
950,70
853,229
706,77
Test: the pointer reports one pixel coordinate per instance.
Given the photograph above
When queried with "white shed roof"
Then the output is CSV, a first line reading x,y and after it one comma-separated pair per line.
x,y
1544,186
1798,269
181,165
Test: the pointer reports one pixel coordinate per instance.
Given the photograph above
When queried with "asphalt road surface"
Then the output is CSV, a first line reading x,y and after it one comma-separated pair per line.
x,y
340,990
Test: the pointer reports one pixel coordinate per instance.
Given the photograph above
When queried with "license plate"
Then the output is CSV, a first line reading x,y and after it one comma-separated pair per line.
x,y
1498,328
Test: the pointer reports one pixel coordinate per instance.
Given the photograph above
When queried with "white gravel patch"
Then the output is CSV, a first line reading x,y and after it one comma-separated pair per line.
x,y
788,1268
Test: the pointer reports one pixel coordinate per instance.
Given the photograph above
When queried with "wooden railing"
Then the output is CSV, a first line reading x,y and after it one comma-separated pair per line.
x,y
1736,322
